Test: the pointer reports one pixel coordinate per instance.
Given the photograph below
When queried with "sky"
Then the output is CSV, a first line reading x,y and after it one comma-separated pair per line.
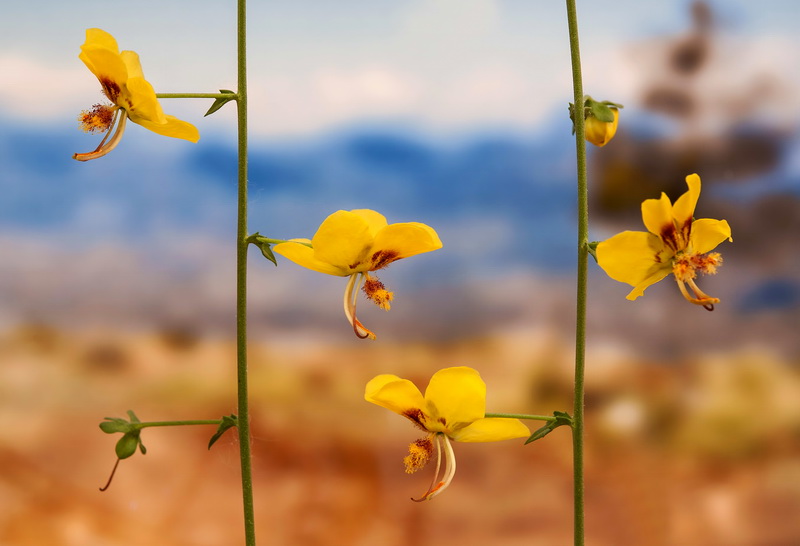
x,y
442,65
450,112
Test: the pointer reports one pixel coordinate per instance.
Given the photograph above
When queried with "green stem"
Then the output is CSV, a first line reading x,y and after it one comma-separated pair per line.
x,y
583,245
197,95
176,423
241,281
521,416
254,238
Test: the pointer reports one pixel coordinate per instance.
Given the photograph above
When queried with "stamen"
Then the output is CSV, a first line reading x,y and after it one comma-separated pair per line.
x,y
700,297
350,297
376,291
419,453
707,263
99,119
106,147
437,486
685,268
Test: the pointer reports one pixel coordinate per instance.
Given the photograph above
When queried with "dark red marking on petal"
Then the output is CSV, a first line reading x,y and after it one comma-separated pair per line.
x,y
382,258
110,89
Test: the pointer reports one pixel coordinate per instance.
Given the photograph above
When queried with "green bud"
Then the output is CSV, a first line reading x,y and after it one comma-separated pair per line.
x,y
126,446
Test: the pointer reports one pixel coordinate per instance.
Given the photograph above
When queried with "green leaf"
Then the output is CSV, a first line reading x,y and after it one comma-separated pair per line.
x,y
602,112
115,424
228,421
221,101
562,419
264,245
266,251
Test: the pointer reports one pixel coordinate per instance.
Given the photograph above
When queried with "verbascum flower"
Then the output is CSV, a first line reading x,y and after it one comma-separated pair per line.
x,y
674,243
452,408
355,243
600,132
131,96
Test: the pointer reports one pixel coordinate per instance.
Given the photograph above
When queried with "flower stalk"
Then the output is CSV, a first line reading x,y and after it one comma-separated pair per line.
x,y
583,260
242,245
232,96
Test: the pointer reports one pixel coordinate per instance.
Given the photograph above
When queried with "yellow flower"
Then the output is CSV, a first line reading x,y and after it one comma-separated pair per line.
x,y
674,243
352,244
600,132
133,97
453,408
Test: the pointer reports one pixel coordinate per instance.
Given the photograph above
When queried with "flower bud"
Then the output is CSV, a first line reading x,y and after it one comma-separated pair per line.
x,y
600,132
126,446
601,120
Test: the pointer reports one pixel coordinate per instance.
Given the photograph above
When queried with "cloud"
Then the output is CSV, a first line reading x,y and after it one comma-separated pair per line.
x,y
32,90
448,65
449,22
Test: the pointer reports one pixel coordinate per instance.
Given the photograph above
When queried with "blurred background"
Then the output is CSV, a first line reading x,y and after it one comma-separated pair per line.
x,y
117,276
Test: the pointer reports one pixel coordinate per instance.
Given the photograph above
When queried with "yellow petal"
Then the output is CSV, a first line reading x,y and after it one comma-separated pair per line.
x,y
376,220
105,64
404,240
599,132
707,234
141,103
633,256
304,256
132,63
96,37
492,430
683,210
344,240
657,215
457,395
172,127
391,392
656,276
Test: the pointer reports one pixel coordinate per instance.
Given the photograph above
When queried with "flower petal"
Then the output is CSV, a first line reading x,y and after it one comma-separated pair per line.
x,y
104,63
132,63
456,395
657,215
141,103
393,393
344,240
406,239
376,220
304,255
708,233
492,430
599,132
172,127
96,37
683,209
639,289
633,256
